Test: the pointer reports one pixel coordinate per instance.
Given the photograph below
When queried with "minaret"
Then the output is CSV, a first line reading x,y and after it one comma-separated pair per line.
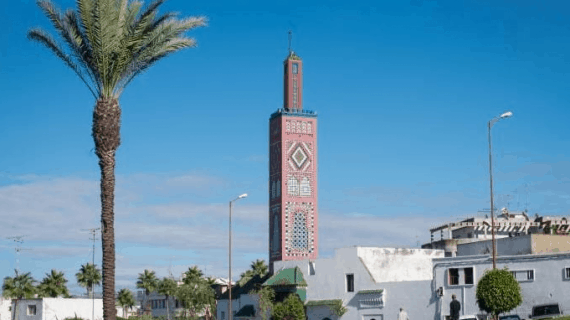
x,y
293,214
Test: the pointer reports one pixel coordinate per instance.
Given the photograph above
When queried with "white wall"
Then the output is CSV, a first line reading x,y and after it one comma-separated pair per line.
x,y
396,265
60,308
5,313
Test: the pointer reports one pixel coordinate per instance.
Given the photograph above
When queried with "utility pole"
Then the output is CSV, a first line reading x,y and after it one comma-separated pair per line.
x,y
93,237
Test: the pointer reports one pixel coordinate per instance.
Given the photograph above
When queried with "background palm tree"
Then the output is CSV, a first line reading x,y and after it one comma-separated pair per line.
x,y
89,277
19,287
53,285
126,300
167,287
192,275
149,282
109,42
258,267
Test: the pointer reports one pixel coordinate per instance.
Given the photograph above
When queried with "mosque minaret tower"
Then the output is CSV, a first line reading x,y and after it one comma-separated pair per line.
x,y
293,214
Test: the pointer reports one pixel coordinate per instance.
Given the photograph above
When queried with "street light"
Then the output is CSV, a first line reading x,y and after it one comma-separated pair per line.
x,y
230,315
505,115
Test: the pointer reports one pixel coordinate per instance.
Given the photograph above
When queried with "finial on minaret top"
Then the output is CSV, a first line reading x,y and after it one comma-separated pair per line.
x,y
290,38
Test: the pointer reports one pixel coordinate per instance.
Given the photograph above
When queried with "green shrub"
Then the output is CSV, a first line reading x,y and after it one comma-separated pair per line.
x,y
498,292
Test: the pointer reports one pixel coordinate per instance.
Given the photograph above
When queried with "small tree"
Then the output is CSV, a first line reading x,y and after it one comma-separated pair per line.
x,y
149,282
53,285
167,287
290,309
19,287
266,299
89,277
338,308
126,300
498,292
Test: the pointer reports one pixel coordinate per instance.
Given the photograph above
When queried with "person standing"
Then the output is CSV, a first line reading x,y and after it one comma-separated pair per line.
x,y
403,315
454,307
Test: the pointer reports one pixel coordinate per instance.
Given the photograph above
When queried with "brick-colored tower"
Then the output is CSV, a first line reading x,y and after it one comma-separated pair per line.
x,y
293,214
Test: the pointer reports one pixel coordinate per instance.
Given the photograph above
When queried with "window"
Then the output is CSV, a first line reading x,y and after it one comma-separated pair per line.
x,y
311,268
305,187
523,275
468,275
460,276
567,273
223,315
453,277
350,282
300,233
278,192
31,310
273,190
295,68
293,186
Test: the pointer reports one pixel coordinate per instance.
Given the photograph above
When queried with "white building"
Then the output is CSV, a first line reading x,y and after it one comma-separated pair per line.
x,y
60,308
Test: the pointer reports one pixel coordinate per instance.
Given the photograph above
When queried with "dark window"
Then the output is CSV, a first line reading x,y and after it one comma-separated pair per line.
x,y
453,277
530,275
350,283
468,275
567,273
31,310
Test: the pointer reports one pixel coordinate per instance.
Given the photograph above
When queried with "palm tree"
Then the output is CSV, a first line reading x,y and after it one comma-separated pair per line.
x,y
126,300
149,282
167,287
19,287
259,267
53,285
88,277
110,42
193,275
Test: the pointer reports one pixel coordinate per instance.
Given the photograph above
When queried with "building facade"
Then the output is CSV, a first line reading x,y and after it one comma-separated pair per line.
x,y
293,213
543,278
59,308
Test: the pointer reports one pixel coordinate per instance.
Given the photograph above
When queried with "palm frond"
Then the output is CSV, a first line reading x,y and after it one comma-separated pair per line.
x,y
43,38
81,46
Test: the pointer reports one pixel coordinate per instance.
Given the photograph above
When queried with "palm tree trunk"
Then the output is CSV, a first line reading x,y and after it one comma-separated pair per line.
x,y
167,312
106,134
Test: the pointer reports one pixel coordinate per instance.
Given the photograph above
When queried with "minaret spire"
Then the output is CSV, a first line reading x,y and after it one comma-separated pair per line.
x,y
290,38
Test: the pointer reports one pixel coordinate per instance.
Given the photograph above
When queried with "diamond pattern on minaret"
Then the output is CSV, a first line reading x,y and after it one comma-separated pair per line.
x,y
299,157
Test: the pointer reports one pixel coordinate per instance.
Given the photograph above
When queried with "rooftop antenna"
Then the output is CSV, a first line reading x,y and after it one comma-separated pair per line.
x,y
526,200
170,268
93,237
18,248
290,38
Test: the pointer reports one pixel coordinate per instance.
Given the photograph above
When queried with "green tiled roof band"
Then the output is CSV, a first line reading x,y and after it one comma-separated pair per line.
x,y
370,291
323,302
287,277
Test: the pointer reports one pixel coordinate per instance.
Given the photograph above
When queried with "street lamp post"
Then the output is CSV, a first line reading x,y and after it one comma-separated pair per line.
x,y
230,314
493,240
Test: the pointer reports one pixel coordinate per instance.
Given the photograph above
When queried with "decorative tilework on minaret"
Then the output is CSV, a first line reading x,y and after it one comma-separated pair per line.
x,y
293,214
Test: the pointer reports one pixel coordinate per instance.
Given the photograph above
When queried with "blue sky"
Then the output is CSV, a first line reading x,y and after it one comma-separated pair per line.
x,y
404,90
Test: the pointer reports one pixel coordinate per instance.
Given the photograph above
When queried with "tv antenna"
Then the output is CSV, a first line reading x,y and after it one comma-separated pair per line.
x,y
290,38
170,268
18,248
93,237
93,232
